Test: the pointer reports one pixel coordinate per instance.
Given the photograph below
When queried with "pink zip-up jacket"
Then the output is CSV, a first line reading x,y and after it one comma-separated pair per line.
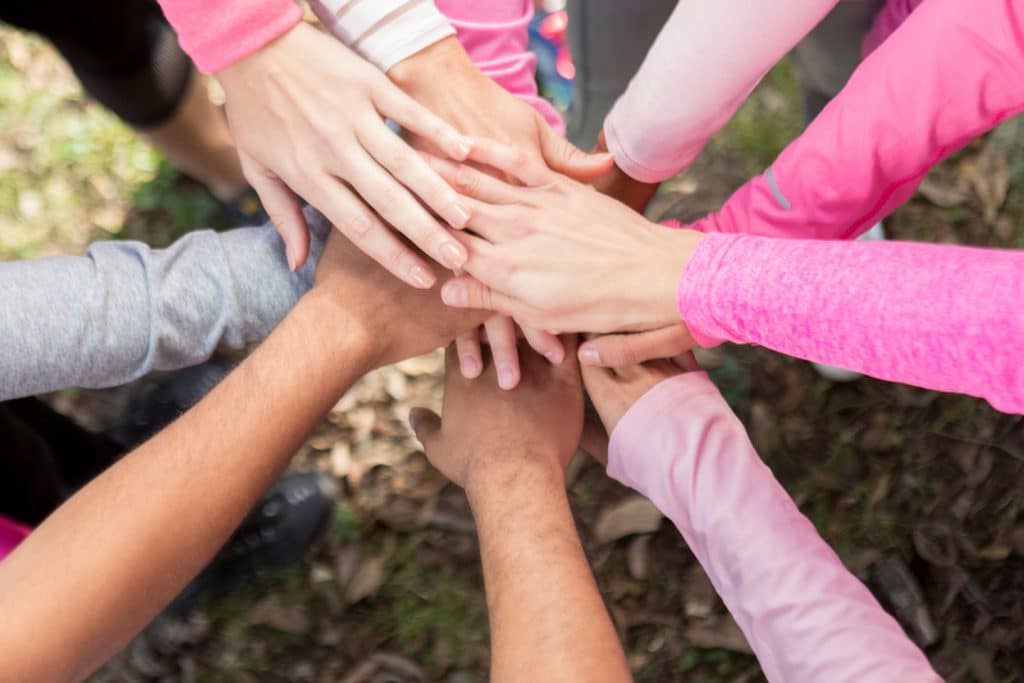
x,y
804,615
940,317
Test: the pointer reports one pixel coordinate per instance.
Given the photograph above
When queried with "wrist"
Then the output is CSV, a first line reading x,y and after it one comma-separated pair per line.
x,y
670,254
421,72
347,338
505,481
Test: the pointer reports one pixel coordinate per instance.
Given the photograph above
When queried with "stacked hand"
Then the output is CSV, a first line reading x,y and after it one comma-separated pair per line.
x,y
558,255
539,423
308,115
476,105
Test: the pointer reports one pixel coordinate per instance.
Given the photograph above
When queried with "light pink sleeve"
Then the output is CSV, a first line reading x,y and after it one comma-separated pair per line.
x,y
218,33
951,71
496,36
936,316
805,616
705,62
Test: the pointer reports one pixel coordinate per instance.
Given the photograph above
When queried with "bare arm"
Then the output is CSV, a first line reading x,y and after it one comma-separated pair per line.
x,y
509,451
102,566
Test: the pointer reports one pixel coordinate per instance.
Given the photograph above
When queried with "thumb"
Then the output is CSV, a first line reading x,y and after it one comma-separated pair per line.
x,y
284,209
427,426
562,156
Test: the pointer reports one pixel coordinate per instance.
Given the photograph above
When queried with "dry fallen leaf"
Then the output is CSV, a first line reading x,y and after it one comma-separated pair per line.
x,y
270,611
717,632
635,515
367,579
637,557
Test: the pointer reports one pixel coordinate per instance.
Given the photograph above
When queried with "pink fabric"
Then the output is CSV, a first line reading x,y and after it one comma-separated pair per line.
x,y
805,616
705,62
888,20
949,73
218,33
496,35
11,534
935,316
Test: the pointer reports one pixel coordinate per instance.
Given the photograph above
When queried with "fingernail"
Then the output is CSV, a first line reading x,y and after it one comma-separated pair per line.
x,y
555,356
590,357
507,375
458,216
454,294
462,147
470,366
452,255
291,259
420,277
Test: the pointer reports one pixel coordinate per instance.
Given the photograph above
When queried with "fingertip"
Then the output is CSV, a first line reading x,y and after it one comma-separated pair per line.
x,y
589,356
508,375
470,365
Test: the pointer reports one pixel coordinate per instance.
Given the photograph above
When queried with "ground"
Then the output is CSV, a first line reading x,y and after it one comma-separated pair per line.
x,y
920,493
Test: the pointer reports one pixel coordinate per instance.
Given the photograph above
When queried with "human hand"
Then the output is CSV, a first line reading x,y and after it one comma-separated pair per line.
x,y
557,254
391,320
476,105
489,432
614,391
614,182
307,115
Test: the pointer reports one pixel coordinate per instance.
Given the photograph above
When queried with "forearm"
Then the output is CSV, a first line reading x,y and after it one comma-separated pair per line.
x,y
945,76
705,62
218,33
941,317
548,622
123,309
805,616
87,580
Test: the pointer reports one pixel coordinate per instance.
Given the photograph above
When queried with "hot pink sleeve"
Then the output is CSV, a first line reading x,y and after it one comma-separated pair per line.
x,y
11,534
805,616
496,35
936,316
951,71
218,33
704,63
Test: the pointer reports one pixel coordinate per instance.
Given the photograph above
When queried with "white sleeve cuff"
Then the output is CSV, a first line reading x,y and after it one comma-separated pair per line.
x,y
384,31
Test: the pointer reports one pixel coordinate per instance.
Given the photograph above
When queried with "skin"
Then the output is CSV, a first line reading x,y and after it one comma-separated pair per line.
x,y
621,350
321,107
559,255
68,607
476,105
509,450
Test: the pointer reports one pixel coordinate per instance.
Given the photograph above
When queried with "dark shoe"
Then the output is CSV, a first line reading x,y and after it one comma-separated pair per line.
x,y
294,514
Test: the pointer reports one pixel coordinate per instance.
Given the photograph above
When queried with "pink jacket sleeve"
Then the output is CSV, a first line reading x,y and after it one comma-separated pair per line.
x,y
705,62
935,316
951,71
805,616
218,33
496,34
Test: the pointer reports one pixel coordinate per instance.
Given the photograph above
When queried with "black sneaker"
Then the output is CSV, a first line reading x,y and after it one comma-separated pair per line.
x,y
292,517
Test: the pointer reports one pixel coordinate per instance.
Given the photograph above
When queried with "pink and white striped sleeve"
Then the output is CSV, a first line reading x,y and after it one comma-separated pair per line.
x,y
807,618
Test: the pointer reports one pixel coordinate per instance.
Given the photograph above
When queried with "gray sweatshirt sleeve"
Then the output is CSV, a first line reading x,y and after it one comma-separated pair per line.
x,y
123,309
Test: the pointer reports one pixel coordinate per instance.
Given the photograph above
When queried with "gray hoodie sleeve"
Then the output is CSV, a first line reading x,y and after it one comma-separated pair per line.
x,y
123,309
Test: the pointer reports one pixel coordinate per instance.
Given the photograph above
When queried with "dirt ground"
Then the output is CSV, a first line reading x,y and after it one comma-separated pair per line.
x,y
921,493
